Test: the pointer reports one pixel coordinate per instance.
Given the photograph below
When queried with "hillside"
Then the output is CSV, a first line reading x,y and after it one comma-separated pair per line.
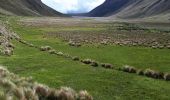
x,y
131,8
26,8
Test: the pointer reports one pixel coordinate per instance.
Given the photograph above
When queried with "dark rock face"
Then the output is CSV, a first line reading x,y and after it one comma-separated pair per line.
x,y
26,8
131,8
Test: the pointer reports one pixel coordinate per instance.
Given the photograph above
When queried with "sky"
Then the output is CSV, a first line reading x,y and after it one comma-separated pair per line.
x,y
73,6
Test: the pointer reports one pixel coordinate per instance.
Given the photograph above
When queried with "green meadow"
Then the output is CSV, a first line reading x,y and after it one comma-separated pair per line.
x,y
101,83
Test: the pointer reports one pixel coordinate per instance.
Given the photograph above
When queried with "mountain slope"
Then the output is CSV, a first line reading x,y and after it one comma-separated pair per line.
x,y
131,8
26,8
108,7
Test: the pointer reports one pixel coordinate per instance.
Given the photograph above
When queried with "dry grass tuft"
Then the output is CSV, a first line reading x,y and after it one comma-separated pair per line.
x,y
60,53
74,44
84,95
53,51
75,58
7,52
66,93
129,69
94,64
107,65
14,87
154,74
167,77
140,72
86,61
45,48
10,45
148,72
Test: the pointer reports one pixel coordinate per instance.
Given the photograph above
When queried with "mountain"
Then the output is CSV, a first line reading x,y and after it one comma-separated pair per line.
x,y
26,8
131,8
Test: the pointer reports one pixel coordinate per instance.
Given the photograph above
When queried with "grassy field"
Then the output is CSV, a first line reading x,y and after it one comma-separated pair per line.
x,y
103,84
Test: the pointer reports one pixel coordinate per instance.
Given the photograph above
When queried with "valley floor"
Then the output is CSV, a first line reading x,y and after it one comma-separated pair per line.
x,y
105,41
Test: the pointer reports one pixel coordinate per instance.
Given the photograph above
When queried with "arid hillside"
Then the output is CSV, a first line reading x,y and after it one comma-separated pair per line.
x,y
131,8
26,8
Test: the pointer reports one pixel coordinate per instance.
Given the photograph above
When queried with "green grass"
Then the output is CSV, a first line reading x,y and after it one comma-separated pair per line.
x,y
103,84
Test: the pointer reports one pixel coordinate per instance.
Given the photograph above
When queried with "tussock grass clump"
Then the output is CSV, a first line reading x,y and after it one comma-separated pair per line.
x,y
148,72
7,52
104,42
158,75
167,77
60,53
10,45
3,72
45,48
153,74
107,65
66,55
53,51
22,41
168,46
84,95
30,45
66,93
129,69
74,44
75,58
13,87
94,64
86,61
140,72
